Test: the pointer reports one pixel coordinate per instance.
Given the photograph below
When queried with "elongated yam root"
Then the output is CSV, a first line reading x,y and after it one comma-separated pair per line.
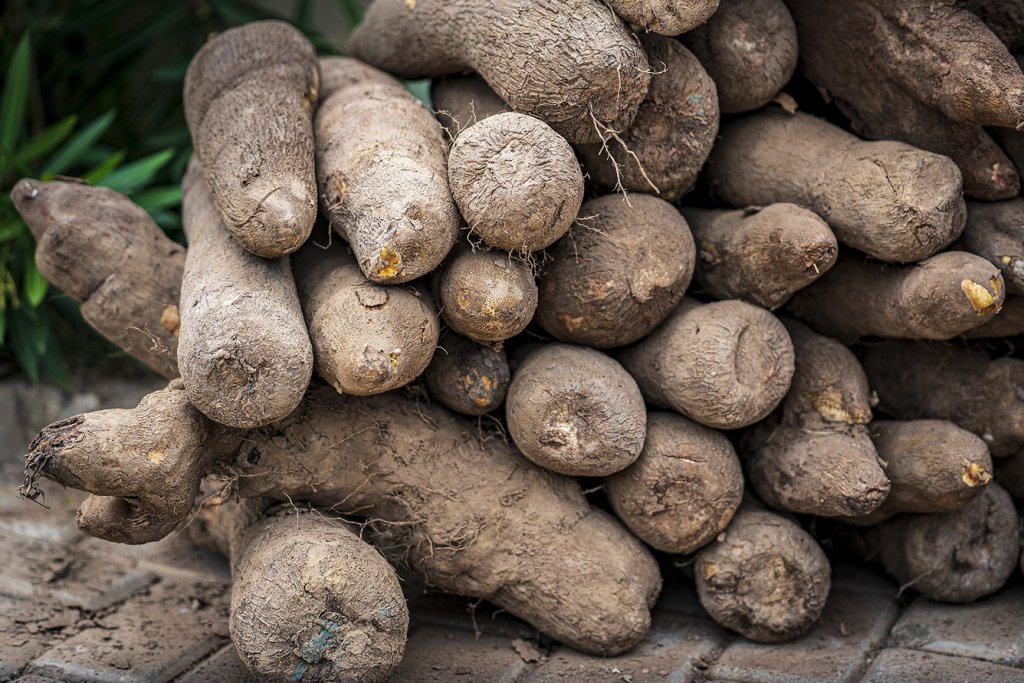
x,y
983,396
367,338
670,138
243,350
381,169
463,100
1005,18
683,489
105,252
466,376
486,295
887,199
516,182
575,411
310,601
249,99
667,17
726,364
585,72
1008,322
933,466
761,256
996,232
749,48
618,273
938,298
766,578
958,556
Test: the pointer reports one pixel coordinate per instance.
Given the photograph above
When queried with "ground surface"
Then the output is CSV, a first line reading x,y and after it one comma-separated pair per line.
x,y
74,608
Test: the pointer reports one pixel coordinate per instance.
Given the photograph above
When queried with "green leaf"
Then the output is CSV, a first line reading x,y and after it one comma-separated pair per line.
x,y
52,362
3,324
62,160
45,141
352,10
421,89
11,229
138,173
170,221
104,168
35,284
303,15
15,95
158,198
28,341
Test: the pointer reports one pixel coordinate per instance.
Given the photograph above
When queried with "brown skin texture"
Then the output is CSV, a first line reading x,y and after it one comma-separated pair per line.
x,y
938,298
725,364
466,376
749,47
996,232
516,182
381,170
923,72
815,456
766,578
463,99
618,273
243,350
1009,473
106,253
887,199
763,255
1009,322
485,294
249,99
1005,18
309,598
670,138
958,556
367,338
586,72
933,466
575,411
683,489
667,17
965,386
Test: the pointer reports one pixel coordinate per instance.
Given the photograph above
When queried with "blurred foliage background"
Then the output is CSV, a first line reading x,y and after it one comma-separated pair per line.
x,y
92,89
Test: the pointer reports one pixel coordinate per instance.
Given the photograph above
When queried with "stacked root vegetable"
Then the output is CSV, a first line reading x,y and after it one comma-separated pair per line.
x,y
522,288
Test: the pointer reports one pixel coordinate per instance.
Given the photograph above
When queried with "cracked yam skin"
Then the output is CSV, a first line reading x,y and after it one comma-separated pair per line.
x,y
726,364
516,182
667,17
618,272
586,72
995,230
466,376
766,579
309,599
763,255
890,200
249,99
367,338
381,168
684,488
575,411
749,48
243,350
939,298
106,253
670,138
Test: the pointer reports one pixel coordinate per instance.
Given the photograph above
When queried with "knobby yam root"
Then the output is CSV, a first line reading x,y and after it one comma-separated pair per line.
x,y
367,338
958,556
670,138
585,72
249,99
462,100
618,272
815,456
726,364
930,74
964,386
310,600
749,48
766,578
106,253
667,17
996,231
888,199
938,298
933,466
381,169
485,294
760,255
243,350
466,376
516,182
575,411
683,489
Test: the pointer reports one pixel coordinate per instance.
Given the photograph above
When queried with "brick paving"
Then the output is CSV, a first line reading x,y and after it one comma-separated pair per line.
x,y
74,608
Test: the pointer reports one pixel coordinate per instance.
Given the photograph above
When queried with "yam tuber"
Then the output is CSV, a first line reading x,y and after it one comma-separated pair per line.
x,y
466,376
995,230
667,17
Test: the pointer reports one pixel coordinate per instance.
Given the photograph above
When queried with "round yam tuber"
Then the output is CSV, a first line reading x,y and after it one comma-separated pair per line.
x,y
466,376
667,17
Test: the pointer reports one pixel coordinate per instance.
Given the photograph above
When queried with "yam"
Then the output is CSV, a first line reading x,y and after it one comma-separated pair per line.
x,y
995,231
466,376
